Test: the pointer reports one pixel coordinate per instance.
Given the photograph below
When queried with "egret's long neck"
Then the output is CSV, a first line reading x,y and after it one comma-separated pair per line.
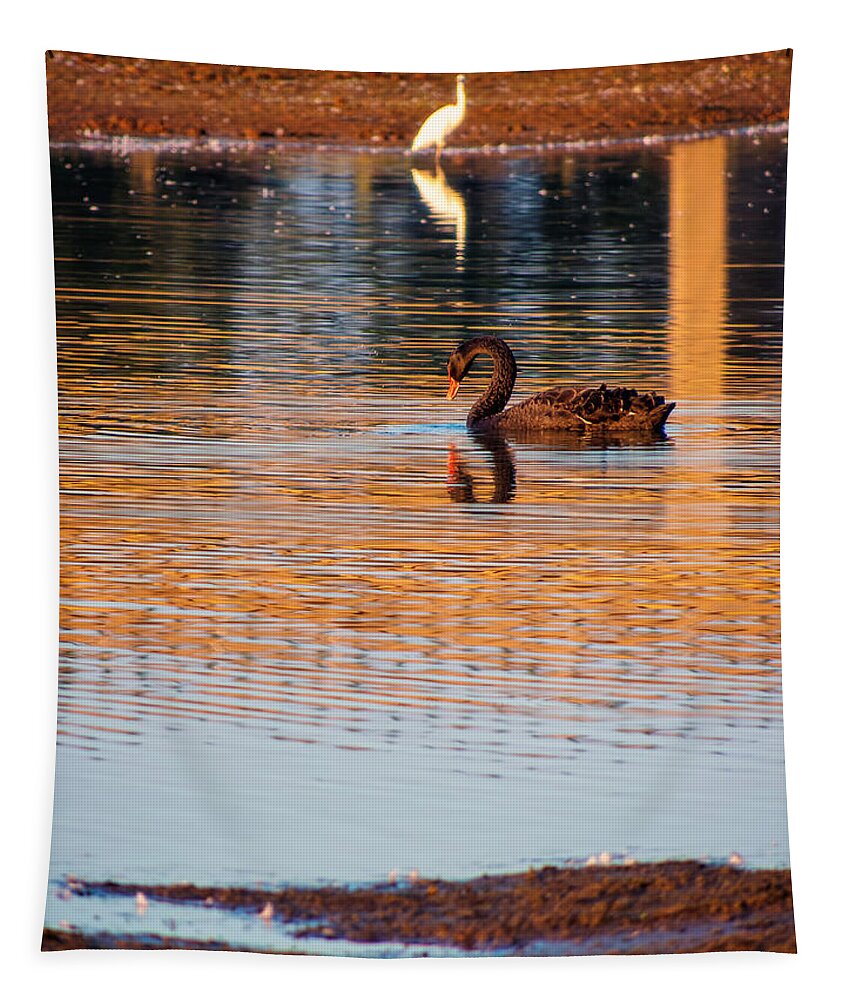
x,y
460,96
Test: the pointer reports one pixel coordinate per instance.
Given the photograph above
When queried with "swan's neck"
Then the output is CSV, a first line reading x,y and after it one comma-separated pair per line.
x,y
501,385
460,97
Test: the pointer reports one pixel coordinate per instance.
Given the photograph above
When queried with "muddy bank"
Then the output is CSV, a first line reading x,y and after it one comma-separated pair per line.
x,y
56,940
91,95
649,908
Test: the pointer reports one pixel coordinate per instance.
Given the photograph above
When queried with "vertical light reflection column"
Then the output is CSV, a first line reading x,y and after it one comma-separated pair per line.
x,y
142,172
697,269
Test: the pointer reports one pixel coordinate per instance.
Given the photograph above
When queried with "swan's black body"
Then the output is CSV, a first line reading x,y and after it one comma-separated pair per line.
x,y
581,411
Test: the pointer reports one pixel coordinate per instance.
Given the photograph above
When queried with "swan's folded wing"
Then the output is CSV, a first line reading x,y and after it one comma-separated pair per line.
x,y
581,410
611,406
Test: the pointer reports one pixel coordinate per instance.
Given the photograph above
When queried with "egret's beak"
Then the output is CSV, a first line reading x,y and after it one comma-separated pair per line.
x,y
454,386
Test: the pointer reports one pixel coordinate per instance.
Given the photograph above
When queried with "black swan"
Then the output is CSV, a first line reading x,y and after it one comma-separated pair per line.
x,y
581,411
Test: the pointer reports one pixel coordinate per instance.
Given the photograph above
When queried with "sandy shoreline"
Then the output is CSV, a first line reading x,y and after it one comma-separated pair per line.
x,y
92,96
675,906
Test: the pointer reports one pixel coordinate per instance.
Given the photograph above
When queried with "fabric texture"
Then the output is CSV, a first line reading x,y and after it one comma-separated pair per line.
x,y
419,457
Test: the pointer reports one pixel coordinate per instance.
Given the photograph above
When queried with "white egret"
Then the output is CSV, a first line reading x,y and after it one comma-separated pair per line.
x,y
440,123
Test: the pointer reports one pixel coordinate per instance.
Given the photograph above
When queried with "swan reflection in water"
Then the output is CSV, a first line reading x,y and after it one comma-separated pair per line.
x,y
460,485
445,205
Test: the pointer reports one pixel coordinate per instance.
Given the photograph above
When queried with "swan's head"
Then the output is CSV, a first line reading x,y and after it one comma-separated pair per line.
x,y
504,370
460,78
457,367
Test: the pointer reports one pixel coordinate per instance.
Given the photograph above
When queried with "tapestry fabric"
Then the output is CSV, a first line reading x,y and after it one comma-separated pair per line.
x,y
419,485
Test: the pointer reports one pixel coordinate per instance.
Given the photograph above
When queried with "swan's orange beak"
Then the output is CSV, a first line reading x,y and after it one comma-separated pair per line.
x,y
452,464
454,386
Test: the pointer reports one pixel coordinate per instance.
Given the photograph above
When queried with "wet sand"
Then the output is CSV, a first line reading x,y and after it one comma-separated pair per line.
x,y
668,907
92,96
55,940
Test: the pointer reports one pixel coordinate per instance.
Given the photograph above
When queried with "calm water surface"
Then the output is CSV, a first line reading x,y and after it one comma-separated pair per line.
x,y
311,630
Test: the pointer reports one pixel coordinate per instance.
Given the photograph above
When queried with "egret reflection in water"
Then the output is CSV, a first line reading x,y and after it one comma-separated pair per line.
x,y
445,205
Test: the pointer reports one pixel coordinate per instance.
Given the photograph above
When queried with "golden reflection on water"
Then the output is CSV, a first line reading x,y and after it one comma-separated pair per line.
x,y
698,268
280,581
257,526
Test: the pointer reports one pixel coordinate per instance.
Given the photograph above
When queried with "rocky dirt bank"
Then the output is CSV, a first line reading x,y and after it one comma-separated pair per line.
x,y
668,907
92,95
